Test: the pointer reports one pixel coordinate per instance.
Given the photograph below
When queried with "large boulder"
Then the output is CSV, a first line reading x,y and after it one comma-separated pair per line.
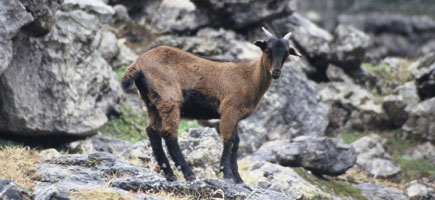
x,y
59,83
320,155
393,34
423,151
420,120
43,13
373,158
13,16
365,112
378,192
424,73
9,190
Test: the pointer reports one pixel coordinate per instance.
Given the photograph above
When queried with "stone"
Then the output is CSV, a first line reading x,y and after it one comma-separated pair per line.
x,y
320,155
121,13
424,72
290,108
9,190
373,158
283,179
398,104
75,87
420,121
76,172
99,8
202,149
99,143
239,14
13,16
377,192
365,113
337,74
49,154
108,45
43,13
400,35
420,191
125,55
423,151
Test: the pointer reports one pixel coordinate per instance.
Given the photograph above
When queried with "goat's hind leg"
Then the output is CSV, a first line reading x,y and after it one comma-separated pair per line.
x,y
170,119
159,154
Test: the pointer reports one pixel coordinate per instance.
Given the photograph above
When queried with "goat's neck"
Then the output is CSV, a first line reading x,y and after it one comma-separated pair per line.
x,y
261,75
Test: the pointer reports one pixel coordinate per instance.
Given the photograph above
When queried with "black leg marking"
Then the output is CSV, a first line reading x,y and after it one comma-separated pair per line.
x,y
226,159
159,154
234,166
178,158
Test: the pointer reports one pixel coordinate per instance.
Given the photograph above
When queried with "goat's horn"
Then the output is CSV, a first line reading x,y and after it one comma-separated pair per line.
x,y
267,32
287,36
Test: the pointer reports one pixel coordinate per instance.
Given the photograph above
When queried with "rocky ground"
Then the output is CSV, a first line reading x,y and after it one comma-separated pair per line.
x,y
351,119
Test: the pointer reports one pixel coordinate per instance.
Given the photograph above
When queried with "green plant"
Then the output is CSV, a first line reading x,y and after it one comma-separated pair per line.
x,y
414,169
129,126
185,125
349,137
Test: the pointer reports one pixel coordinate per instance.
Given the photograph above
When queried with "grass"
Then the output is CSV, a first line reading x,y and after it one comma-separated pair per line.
x,y
17,163
120,72
131,125
386,72
349,137
99,193
336,187
414,169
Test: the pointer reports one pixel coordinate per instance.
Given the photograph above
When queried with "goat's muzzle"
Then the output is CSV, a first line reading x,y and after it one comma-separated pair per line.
x,y
276,73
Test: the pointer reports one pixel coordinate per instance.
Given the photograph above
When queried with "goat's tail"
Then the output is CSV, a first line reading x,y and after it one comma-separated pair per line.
x,y
130,75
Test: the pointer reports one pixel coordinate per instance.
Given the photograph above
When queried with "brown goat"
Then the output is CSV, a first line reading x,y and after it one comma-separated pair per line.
x,y
174,84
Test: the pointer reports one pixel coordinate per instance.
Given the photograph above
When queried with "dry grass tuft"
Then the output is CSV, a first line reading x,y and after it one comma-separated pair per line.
x,y
18,164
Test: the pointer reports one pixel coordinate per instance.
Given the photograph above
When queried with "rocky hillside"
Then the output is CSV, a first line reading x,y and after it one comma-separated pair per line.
x,y
351,119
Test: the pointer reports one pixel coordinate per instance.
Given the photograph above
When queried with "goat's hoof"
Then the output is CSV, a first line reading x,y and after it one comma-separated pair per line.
x,y
190,177
171,177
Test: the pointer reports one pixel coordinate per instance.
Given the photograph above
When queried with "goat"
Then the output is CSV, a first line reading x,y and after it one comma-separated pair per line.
x,y
174,84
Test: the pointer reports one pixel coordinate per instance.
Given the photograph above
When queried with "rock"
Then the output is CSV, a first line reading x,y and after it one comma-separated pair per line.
x,y
373,158
177,16
125,56
420,192
9,190
401,35
50,193
420,120
283,179
49,154
108,45
75,85
202,149
398,105
13,16
290,108
214,43
121,13
365,113
337,74
99,143
424,72
99,8
319,155
241,14
76,172
423,151
377,192
43,13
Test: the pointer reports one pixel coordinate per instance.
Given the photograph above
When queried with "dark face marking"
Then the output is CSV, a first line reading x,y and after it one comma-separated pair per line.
x,y
277,51
197,106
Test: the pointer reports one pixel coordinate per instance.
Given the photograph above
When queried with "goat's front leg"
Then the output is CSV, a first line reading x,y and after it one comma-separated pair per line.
x,y
227,126
234,166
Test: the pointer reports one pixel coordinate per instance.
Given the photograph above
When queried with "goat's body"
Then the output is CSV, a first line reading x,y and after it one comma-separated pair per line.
x,y
174,84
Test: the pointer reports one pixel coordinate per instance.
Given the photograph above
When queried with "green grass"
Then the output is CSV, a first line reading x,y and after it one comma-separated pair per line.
x,y
414,169
338,188
386,72
349,137
131,126
398,142
120,72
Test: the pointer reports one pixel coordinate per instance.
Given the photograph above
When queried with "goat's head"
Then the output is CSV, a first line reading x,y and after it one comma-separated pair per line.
x,y
276,50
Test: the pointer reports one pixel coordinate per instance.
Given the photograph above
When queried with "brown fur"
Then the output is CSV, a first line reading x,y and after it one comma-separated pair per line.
x,y
237,88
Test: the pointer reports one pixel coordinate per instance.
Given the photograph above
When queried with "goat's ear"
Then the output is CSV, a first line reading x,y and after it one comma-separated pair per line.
x,y
295,52
262,44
